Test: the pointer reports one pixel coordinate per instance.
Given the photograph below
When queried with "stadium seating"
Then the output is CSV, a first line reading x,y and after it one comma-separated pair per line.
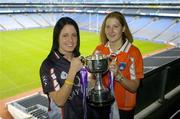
x,y
170,34
34,107
139,23
8,23
153,29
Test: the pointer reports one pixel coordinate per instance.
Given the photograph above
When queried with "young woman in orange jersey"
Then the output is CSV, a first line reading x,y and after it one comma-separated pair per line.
x,y
126,65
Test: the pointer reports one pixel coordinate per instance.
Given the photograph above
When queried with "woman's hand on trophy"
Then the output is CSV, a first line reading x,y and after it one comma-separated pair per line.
x,y
113,67
76,64
119,76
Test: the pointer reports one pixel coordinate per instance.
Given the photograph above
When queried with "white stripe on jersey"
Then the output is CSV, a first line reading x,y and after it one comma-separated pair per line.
x,y
132,69
55,83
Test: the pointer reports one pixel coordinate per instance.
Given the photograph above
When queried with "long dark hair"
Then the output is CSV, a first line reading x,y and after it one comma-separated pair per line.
x,y
57,30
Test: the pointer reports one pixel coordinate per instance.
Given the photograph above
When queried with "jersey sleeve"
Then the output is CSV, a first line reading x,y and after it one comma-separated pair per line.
x,y
139,64
46,78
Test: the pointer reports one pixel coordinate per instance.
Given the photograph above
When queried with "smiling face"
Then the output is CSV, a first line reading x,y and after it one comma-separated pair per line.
x,y
113,30
67,39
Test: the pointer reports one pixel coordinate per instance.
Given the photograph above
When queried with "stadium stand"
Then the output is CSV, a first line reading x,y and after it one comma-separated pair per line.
x,y
139,23
8,23
155,21
153,29
25,21
170,34
39,20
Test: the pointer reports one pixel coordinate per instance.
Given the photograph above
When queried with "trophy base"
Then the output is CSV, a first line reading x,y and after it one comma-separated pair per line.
x,y
100,98
100,104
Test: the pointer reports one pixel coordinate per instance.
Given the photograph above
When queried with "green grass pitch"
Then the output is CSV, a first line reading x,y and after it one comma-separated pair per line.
x,y
22,51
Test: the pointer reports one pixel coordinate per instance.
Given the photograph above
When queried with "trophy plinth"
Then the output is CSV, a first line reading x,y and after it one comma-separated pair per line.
x,y
98,96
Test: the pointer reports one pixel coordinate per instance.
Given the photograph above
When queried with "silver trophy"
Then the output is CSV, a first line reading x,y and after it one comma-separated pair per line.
x,y
98,96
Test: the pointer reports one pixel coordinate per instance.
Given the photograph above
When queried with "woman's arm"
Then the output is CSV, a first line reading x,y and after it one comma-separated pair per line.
x,y
61,96
130,85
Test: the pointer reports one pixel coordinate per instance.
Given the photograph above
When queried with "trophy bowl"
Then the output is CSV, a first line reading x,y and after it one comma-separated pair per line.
x,y
98,65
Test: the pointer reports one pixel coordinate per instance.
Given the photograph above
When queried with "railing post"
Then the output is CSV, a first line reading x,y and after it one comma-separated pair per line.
x,y
164,75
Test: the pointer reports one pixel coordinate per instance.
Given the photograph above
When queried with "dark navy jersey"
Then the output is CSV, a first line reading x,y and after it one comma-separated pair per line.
x,y
53,73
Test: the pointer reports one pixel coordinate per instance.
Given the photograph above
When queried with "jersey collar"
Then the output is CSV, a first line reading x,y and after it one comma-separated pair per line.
x,y
58,54
124,48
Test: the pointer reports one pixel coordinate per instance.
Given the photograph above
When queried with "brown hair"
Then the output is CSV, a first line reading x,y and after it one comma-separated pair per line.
x,y
126,34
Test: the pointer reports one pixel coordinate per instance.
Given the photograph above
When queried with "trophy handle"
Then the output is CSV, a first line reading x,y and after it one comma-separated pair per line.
x,y
83,60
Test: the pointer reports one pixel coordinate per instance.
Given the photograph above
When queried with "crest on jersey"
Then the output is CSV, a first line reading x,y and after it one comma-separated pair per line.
x,y
122,66
63,75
